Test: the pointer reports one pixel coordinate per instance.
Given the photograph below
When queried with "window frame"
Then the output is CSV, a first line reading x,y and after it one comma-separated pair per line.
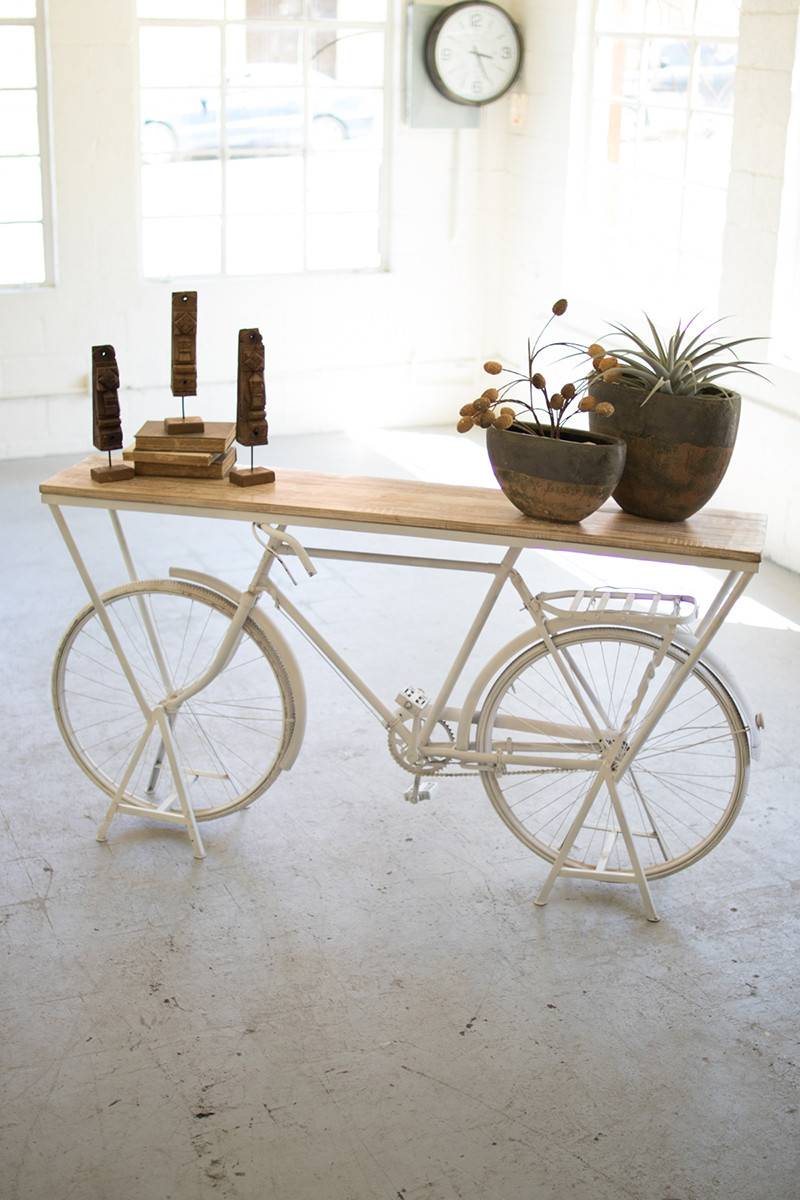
x,y
44,125
308,25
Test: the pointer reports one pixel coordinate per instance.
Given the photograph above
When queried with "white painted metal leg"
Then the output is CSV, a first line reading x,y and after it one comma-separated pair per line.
x,y
119,794
569,841
638,870
180,785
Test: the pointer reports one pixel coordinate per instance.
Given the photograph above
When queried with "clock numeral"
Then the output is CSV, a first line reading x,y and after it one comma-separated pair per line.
x,y
446,55
505,52
477,87
476,20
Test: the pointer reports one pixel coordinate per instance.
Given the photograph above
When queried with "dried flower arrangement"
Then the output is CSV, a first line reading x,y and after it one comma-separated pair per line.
x,y
678,365
497,407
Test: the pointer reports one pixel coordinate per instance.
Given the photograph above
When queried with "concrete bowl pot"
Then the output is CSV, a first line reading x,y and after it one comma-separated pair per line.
x,y
557,479
679,448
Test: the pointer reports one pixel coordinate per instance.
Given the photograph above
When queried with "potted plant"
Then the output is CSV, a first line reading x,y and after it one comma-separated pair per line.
x,y
678,422
544,469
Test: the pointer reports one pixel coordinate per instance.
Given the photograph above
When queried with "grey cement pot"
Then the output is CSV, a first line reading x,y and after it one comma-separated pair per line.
x,y
559,479
679,448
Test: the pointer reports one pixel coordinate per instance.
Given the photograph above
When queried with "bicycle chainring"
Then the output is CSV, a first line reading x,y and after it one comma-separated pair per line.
x,y
428,766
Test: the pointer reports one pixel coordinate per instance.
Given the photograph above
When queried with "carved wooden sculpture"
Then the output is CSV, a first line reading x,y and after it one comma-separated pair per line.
x,y
251,403
184,361
106,424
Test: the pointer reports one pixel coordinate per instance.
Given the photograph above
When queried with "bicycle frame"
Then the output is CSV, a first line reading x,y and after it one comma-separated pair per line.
x,y
596,747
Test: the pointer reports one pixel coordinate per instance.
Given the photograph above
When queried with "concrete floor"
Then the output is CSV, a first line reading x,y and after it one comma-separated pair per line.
x,y
353,998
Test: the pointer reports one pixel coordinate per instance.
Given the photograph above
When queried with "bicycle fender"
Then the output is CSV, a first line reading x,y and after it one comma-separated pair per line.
x,y
687,640
470,711
282,648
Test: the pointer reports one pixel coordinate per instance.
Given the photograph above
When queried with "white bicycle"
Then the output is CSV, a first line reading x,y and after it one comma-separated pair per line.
x,y
607,740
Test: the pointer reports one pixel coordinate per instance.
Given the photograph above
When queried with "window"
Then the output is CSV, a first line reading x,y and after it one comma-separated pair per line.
x,y
24,253
262,135
654,192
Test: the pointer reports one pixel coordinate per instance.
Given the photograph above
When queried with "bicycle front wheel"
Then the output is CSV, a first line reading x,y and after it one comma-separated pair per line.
x,y
230,737
680,795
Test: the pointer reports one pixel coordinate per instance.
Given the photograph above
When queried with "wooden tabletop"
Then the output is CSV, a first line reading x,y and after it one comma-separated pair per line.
x,y
361,501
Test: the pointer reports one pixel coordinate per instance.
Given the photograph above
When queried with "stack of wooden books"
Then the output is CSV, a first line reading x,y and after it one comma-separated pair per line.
x,y
206,455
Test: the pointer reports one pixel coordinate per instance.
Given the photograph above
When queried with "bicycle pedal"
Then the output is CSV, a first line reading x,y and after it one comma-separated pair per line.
x,y
412,699
419,791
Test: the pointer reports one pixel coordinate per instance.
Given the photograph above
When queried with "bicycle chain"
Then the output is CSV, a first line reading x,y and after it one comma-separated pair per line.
x,y
442,774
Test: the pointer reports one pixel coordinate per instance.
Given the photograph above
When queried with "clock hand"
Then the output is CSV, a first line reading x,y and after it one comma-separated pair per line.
x,y
479,56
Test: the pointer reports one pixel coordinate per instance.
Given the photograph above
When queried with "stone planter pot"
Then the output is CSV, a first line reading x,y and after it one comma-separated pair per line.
x,y
679,448
558,479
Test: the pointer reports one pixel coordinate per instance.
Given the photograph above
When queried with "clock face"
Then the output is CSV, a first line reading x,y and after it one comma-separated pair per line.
x,y
473,52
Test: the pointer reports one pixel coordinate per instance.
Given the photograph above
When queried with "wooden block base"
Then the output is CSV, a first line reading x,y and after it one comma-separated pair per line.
x,y
249,477
113,473
175,426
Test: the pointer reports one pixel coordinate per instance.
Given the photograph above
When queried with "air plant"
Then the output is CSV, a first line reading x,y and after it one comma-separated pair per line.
x,y
549,409
681,365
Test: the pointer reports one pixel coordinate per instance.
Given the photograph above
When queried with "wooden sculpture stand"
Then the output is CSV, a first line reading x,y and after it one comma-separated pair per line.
x,y
112,472
251,476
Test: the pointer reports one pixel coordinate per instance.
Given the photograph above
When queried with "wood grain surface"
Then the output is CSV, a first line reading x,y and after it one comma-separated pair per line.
x,y
711,534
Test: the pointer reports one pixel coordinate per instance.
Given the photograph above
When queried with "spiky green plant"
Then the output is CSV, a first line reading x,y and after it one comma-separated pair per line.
x,y
681,365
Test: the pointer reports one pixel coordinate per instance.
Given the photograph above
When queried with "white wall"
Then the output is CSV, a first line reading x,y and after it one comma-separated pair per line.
x,y
391,348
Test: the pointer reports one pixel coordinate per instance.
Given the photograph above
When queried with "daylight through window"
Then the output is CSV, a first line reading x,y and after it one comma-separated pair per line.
x,y
262,135
654,191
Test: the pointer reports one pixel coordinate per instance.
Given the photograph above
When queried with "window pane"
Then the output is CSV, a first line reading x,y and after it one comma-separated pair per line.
x,y
265,185
17,56
347,10
615,130
197,10
715,75
180,123
17,8
340,119
350,56
173,189
19,127
348,182
265,247
667,70
618,68
286,10
675,16
21,254
263,57
181,246
709,150
663,143
717,16
20,189
176,56
704,222
265,120
620,14
343,241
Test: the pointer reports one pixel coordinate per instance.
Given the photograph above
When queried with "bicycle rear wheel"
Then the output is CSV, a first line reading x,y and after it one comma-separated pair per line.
x,y
684,788
230,737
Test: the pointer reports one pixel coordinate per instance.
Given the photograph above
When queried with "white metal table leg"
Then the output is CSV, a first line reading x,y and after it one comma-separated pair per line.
x,y
569,841
153,717
119,794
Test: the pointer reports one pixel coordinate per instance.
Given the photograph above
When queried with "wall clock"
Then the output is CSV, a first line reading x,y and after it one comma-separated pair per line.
x,y
473,52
